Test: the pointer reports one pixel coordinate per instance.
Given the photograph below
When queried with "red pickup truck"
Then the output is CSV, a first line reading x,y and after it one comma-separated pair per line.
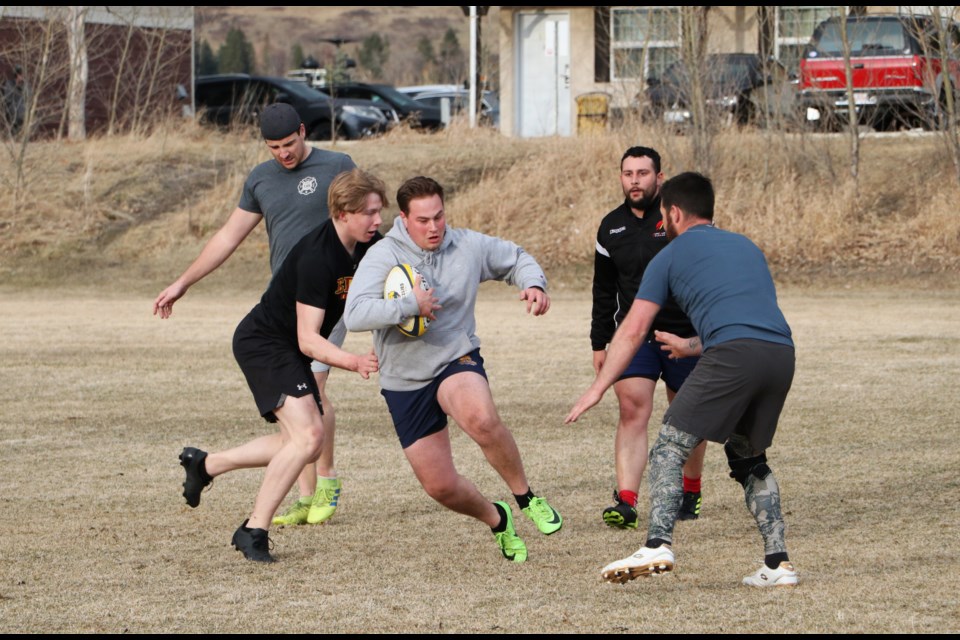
x,y
898,71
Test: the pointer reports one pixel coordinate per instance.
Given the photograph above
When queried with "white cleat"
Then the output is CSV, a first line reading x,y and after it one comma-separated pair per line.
x,y
645,562
783,576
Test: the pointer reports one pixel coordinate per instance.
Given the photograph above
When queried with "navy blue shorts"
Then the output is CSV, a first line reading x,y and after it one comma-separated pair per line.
x,y
417,414
652,363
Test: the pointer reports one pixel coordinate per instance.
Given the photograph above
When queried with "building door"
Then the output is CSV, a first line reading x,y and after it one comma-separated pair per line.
x,y
543,76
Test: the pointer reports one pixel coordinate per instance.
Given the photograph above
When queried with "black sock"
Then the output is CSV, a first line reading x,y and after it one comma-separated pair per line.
x,y
202,468
524,501
774,559
500,528
653,543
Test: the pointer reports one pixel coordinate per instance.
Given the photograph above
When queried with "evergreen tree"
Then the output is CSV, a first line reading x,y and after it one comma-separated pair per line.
x,y
296,56
374,53
452,63
206,63
428,59
266,55
236,55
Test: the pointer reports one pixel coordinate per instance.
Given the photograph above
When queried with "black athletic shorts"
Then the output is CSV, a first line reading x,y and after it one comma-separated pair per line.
x,y
273,368
417,414
738,387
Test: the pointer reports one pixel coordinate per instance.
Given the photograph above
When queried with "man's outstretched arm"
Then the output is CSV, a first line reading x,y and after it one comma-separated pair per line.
x,y
220,247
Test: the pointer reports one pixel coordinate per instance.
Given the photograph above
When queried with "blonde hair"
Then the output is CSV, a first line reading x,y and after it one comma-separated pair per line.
x,y
349,190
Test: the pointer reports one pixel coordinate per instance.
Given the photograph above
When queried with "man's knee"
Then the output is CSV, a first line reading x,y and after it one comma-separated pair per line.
x,y
672,442
743,464
440,489
636,404
484,428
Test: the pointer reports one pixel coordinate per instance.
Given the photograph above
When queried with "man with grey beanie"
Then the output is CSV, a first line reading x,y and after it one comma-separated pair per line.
x,y
288,192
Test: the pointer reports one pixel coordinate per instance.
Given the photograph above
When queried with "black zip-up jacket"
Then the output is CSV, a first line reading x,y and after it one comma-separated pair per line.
x,y
625,246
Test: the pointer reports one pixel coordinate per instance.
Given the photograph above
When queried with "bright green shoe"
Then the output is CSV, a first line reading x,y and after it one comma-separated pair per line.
x,y
511,546
325,500
544,516
296,514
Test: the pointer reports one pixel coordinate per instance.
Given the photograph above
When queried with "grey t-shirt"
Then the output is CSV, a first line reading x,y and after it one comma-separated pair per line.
x,y
292,201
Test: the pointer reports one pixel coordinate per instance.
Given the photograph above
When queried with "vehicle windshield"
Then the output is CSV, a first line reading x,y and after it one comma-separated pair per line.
x,y
300,90
723,71
397,98
731,71
866,38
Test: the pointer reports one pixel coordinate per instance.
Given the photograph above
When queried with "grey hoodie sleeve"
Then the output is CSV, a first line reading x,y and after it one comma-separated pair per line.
x,y
504,260
366,308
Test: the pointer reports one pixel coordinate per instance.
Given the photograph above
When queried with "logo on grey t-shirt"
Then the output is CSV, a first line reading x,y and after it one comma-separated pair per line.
x,y
307,186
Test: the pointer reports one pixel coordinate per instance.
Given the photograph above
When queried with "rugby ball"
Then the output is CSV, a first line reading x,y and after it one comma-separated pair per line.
x,y
399,284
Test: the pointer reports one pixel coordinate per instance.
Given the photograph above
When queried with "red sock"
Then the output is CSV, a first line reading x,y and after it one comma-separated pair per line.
x,y
691,485
630,497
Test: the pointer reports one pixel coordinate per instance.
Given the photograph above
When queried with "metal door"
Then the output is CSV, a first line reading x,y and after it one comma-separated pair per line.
x,y
543,76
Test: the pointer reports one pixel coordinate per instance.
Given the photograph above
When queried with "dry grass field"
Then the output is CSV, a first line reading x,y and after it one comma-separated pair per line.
x,y
99,397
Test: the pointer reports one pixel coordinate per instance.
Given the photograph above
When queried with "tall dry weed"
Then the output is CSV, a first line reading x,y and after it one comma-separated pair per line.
x,y
151,199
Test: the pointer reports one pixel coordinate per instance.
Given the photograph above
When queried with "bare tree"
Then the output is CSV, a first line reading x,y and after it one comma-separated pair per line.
x,y
145,64
36,48
939,39
948,41
853,118
693,52
75,20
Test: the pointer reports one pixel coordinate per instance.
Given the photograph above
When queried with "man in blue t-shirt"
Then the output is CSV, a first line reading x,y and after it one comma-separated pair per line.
x,y
737,390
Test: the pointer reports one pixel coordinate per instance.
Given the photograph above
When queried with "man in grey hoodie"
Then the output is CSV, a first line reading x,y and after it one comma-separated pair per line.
x,y
424,380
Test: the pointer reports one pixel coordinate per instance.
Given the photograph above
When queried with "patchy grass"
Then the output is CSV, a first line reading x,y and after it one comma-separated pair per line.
x,y
99,398
121,209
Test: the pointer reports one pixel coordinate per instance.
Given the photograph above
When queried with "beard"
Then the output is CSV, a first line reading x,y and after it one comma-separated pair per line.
x,y
669,228
643,202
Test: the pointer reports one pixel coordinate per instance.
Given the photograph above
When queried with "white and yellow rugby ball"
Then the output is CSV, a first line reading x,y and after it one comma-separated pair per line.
x,y
399,284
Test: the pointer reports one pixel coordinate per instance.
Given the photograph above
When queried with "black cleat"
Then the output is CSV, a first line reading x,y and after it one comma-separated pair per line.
x,y
192,462
690,508
253,543
620,515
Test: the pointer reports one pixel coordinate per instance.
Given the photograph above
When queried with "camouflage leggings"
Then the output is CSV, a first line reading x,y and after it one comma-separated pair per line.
x,y
667,457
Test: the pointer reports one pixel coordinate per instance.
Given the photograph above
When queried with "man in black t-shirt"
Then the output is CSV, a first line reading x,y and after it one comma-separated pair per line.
x,y
274,345
289,194
628,239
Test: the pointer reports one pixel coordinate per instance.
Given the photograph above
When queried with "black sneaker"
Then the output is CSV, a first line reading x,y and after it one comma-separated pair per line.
x,y
253,543
192,462
690,509
620,515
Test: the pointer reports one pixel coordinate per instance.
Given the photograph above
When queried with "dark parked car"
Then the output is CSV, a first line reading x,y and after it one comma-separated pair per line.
x,y
238,98
737,89
414,113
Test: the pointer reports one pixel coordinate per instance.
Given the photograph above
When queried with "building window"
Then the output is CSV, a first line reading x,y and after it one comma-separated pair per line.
x,y
645,40
795,25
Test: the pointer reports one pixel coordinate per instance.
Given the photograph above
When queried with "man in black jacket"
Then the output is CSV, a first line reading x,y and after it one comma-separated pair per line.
x,y
628,238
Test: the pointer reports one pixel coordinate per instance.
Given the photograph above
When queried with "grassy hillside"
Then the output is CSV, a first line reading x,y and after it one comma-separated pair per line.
x,y
274,30
137,210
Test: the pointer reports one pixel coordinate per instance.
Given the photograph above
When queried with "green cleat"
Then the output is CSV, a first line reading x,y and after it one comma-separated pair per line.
x,y
325,500
543,515
296,514
511,546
